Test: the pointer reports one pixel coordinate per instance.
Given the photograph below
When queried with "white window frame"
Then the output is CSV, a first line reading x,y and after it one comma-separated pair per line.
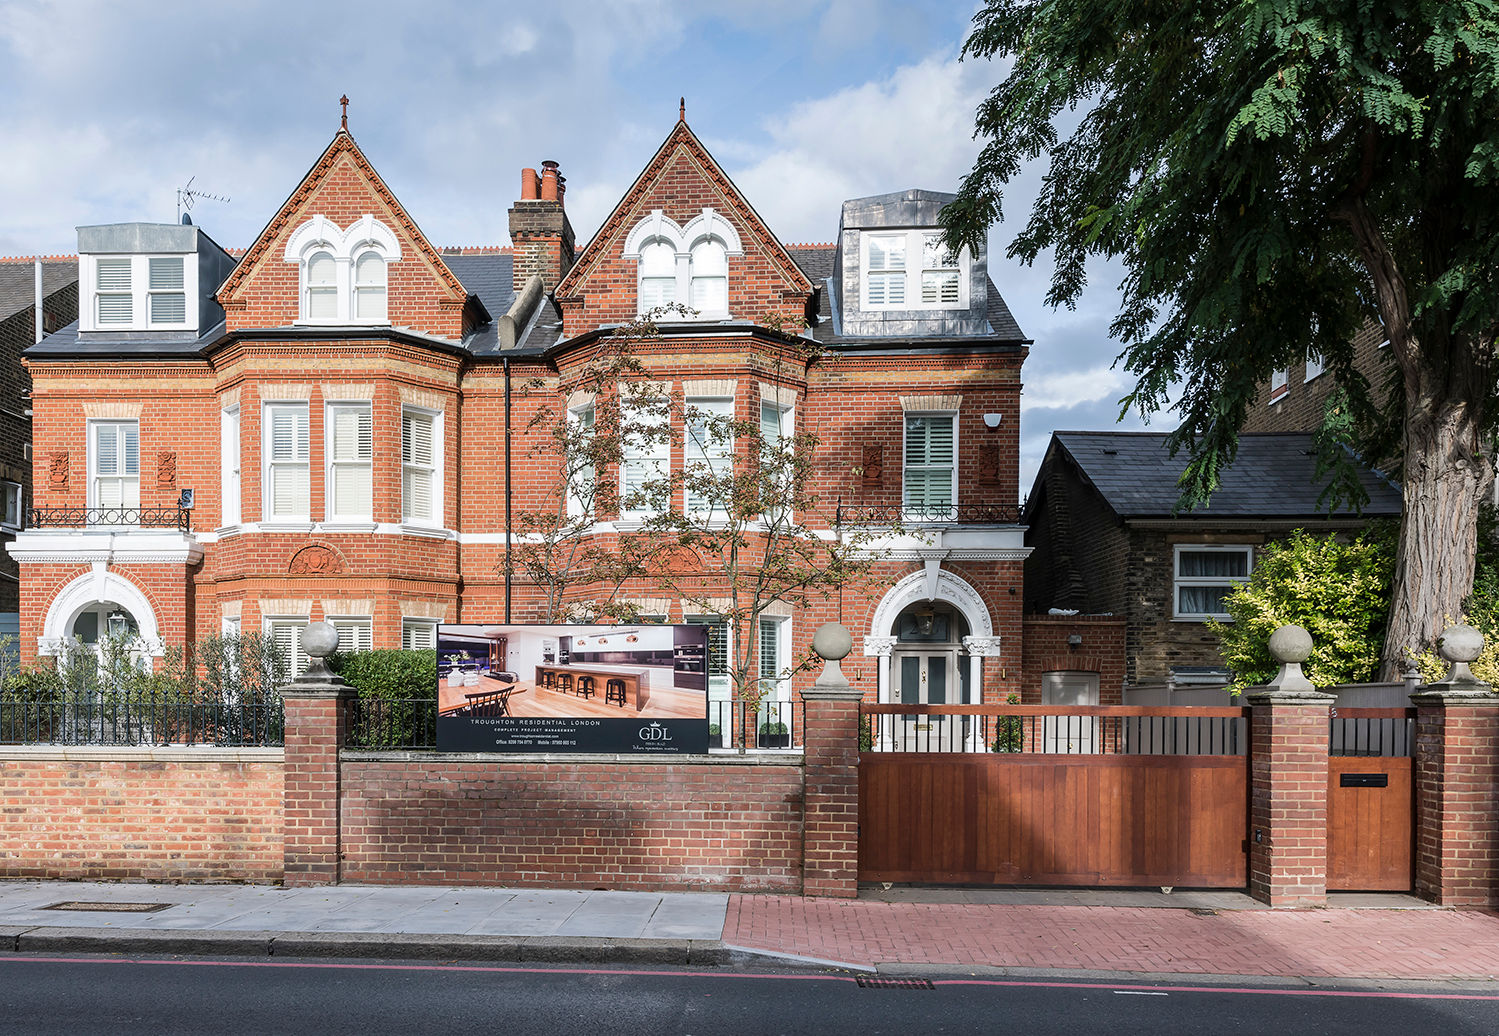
x,y
577,507
658,228
93,463
657,456
786,420
780,686
1314,368
298,662
1178,581
425,628
646,302
332,464
360,630
268,513
140,293
229,467
407,515
369,289
365,235
1279,388
906,416
915,252
10,505
716,456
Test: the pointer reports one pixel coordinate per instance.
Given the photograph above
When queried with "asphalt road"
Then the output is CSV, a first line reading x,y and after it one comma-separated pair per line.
x,y
82,995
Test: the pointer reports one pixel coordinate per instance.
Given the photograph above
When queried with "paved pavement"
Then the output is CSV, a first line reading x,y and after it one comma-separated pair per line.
x,y
1005,931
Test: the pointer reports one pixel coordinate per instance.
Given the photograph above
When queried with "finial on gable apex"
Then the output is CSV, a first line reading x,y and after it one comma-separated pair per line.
x,y
682,109
344,122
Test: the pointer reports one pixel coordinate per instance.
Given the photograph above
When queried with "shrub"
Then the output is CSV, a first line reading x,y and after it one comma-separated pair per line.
x,y
1009,735
391,682
1337,590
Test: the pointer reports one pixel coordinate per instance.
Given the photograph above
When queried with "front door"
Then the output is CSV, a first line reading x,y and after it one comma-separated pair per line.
x,y
1069,734
924,678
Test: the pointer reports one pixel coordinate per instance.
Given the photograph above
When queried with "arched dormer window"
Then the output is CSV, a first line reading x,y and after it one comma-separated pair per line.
x,y
320,301
369,287
687,264
344,274
710,278
658,275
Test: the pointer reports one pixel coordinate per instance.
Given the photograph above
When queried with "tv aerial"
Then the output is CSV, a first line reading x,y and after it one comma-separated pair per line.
x,y
187,196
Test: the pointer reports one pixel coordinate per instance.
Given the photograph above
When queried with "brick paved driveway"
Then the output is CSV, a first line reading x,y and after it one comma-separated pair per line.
x,y
1405,944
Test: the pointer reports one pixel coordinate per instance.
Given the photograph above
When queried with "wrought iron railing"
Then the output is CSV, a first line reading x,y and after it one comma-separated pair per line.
x,y
1055,729
400,723
766,725
131,719
952,514
83,517
1372,732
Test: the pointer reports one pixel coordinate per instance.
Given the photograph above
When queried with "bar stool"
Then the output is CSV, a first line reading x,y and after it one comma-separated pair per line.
x,y
614,690
565,683
548,679
585,687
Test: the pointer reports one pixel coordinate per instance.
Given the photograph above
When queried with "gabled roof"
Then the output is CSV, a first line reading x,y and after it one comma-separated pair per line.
x,y
818,260
680,137
18,281
1272,477
342,144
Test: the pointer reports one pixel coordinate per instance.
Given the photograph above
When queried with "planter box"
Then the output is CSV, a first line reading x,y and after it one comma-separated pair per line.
x,y
774,740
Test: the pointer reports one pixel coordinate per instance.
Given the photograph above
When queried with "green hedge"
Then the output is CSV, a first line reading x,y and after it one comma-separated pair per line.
x,y
391,674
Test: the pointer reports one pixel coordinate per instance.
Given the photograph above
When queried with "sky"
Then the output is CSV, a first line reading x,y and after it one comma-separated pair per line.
x,y
113,106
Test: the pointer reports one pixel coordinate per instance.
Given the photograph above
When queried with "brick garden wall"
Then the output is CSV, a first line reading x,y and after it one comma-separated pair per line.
x,y
141,814
698,823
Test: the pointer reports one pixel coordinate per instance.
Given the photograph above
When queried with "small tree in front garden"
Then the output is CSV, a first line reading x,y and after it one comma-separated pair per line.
x,y
1338,590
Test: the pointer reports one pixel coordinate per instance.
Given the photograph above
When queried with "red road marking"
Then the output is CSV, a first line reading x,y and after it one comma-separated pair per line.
x,y
635,972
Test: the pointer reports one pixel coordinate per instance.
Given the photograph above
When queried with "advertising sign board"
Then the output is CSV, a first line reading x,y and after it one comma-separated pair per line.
x,y
626,689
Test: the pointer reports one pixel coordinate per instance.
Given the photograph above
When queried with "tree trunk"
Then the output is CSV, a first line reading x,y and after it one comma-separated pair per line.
x,y
1446,479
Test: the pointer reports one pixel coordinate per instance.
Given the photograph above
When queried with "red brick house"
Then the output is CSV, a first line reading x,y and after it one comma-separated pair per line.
x,y
318,430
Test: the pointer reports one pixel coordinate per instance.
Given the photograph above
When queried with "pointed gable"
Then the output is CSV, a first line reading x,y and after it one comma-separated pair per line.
x,y
681,199
343,210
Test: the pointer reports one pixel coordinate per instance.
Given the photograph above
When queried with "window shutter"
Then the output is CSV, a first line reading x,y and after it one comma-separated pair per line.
x,y
168,302
322,288
929,474
354,635
709,445
417,474
107,449
353,433
769,655
286,637
369,287
289,433
113,274
418,636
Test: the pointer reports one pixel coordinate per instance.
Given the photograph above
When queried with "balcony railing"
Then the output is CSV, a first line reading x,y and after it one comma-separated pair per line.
x,y
84,517
953,514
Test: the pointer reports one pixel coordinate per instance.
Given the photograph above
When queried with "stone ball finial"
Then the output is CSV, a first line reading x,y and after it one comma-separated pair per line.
x,y
1460,644
319,640
1291,644
832,641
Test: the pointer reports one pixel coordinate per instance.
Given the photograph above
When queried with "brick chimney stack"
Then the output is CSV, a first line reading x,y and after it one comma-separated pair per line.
x,y
539,229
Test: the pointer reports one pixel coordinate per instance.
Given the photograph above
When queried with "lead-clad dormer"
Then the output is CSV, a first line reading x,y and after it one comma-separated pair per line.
x,y
149,280
893,278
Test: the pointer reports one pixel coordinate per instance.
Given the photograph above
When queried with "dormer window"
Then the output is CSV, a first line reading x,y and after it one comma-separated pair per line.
x,y
710,277
321,301
369,287
344,273
687,264
658,275
138,293
893,280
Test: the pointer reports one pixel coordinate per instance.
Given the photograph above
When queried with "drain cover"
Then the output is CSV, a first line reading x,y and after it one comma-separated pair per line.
x,y
111,908
1203,911
867,982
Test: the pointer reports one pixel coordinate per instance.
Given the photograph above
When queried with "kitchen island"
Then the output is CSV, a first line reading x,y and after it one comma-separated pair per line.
x,y
637,680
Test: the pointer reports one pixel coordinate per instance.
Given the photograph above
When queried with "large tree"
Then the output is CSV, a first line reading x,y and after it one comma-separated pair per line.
x,y
1272,174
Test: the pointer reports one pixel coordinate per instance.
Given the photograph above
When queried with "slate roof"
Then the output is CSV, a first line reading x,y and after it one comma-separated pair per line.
x,y
1270,478
18,283
817,262
488,276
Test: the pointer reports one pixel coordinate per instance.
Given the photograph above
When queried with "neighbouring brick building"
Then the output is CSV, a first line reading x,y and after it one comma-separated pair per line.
x,y
19,328
1106,539
317,428
1293,400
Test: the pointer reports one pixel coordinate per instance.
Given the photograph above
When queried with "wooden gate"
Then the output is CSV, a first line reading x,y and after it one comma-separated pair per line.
x,y
1370,800
1103,795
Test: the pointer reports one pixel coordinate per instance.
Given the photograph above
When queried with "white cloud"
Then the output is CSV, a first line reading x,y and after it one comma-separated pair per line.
x,y
1069,388
910,130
